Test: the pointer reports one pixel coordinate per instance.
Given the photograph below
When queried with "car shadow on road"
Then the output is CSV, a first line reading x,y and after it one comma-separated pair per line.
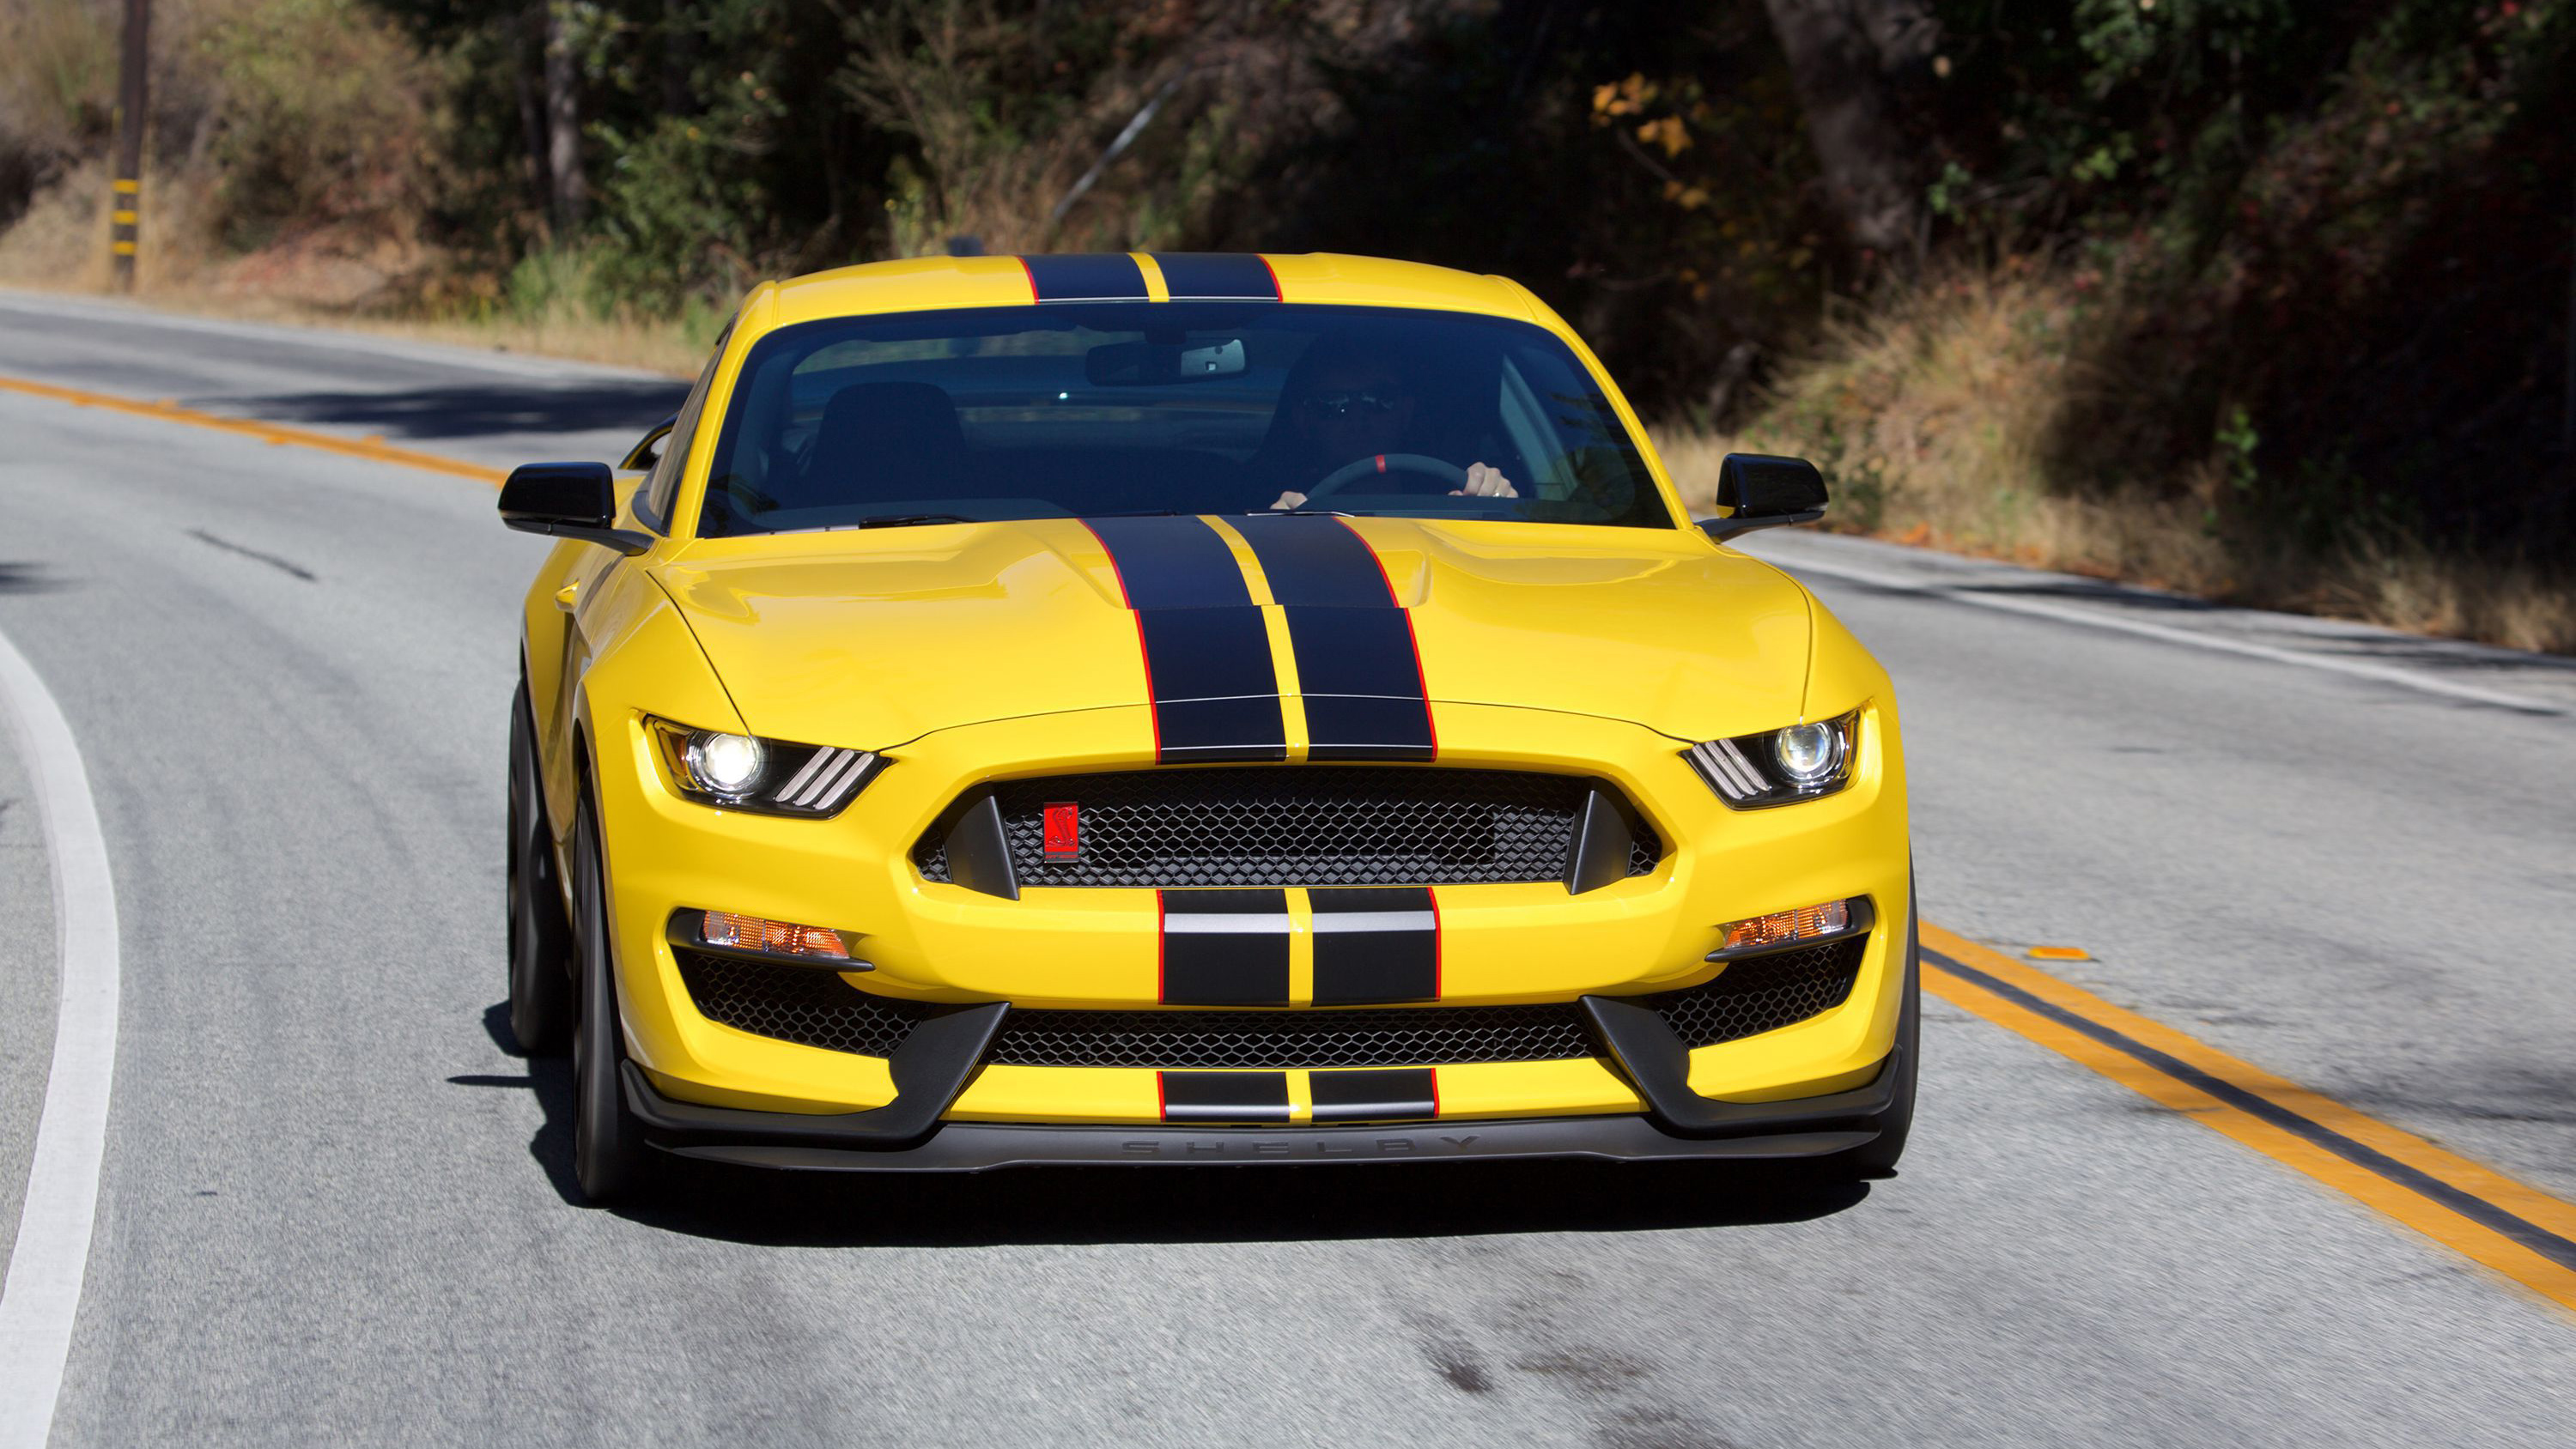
x,y
1097,1205
551,1079
474,411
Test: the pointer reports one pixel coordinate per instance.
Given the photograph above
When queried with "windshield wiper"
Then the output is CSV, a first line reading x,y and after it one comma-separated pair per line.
x,y
907,520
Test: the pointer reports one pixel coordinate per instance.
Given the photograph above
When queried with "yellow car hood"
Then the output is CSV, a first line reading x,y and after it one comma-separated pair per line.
x,y
874,637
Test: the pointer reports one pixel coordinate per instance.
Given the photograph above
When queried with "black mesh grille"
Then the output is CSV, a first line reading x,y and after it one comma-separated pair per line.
x,y
1761,994
817,1008
1298,825
794,1003
1413,1036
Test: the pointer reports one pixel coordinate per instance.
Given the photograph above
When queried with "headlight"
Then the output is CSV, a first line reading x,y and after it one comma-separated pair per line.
x,y
723,764
770,777
1799,762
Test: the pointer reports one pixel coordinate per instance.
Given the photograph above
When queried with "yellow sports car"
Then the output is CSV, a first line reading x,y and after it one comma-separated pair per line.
x,y
1190,708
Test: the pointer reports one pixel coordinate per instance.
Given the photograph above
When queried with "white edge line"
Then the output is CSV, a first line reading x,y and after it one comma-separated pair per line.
x,y
2042,610
41,1297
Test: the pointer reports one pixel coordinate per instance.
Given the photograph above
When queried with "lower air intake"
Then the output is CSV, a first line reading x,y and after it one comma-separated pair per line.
x,y
817,1008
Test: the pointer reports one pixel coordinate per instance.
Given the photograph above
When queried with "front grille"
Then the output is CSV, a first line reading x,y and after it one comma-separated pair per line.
x,y
1298,825
817,1008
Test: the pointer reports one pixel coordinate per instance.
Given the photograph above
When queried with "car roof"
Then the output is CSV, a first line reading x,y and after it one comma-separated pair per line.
x,y
924,283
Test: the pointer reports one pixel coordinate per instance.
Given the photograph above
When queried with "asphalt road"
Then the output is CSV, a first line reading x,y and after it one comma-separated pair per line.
x,y
335,1210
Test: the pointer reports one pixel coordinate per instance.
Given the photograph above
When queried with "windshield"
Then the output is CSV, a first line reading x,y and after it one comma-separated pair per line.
x,y
1060,410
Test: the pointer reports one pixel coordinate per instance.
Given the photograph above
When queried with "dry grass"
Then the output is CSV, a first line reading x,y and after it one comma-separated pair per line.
x,y
334,278
1934,417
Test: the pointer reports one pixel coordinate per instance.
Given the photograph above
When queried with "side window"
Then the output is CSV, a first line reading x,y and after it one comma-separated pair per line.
x,y
664,485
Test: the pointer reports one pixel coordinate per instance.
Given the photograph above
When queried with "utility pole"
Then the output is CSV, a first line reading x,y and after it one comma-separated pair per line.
x,y
131,112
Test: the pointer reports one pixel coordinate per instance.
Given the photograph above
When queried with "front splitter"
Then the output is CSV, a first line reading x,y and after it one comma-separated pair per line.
x,y
985,1146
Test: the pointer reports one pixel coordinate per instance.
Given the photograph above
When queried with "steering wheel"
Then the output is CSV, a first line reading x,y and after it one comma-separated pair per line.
x,y
1376,463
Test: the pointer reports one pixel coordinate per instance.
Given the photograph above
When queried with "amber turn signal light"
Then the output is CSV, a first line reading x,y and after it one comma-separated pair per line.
x,y
778,938
1789,928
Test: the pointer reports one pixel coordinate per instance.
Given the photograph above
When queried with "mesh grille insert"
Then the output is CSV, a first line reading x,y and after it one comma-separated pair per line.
x,y
1413,1036
1298,825
1762,994
796,1003
817,1008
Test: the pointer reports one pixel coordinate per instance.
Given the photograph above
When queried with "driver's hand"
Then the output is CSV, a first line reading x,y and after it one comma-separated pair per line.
x,y
1289,500
1484,482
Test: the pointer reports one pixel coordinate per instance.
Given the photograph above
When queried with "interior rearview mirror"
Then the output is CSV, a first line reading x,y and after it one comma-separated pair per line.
x,y
1760,490
1158,364
568,500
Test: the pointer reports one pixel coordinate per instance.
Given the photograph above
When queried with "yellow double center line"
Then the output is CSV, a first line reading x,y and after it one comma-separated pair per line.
x,y
2516,1229
371,449
2511,1227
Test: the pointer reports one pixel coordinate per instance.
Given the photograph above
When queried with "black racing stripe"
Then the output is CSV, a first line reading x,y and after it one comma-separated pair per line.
x,y
1375,944
1172,563
1362,685
1315,560
1215,691
1224,947
1086,277
1409,1094
1217,276
2469,1205
1216,694
1357,665
1225,1096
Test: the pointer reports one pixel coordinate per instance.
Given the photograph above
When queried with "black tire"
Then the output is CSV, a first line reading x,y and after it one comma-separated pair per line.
x,y
609,1157
540,939
1878,1158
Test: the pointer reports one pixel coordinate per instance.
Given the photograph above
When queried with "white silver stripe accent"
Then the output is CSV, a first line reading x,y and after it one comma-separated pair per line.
x,y
1213,924
821,758
1374,921
846,783
834,786
1748,780
1728,770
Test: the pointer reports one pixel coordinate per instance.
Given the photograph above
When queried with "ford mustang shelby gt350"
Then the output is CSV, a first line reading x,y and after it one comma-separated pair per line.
x,y
1143,708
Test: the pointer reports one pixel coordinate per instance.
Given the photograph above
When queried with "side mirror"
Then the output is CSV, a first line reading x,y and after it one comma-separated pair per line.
x,y
648,449
568,500
1764,492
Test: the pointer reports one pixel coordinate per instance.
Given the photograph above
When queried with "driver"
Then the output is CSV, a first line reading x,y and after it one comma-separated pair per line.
x,y
1348,405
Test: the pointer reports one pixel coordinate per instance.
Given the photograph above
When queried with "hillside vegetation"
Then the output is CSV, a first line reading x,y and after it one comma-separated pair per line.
x,y
2263,299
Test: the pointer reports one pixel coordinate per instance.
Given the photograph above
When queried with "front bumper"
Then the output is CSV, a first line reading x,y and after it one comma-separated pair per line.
x,y
942,947
942,1055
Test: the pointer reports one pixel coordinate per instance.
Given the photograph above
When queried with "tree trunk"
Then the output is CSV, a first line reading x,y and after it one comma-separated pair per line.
x,y
679,44
530,41
563,124
1845,59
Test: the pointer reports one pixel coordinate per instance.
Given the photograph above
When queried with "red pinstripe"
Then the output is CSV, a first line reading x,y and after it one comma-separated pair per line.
x,y
1419,677
1143,651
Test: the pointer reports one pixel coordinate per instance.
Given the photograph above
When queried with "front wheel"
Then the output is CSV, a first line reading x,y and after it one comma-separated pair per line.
x,y
540,940
609,1156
